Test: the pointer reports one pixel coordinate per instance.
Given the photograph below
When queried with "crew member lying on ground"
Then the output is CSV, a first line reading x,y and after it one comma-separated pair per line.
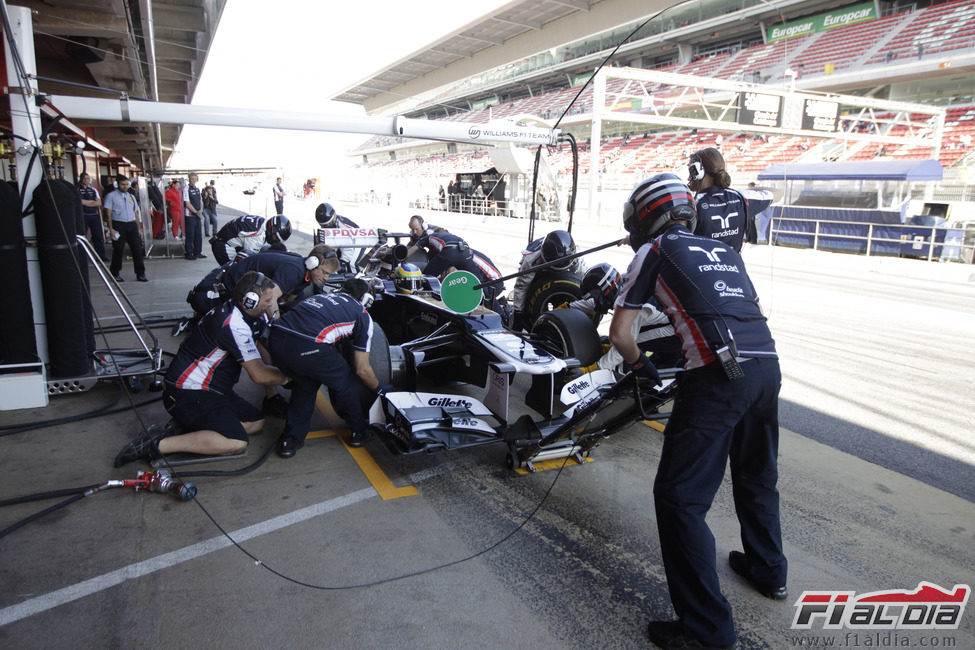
x,y
250,234
552,246
199,391
315,343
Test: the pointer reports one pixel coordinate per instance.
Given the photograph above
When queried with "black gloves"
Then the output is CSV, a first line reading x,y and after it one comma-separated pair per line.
x,y
643,367
382,389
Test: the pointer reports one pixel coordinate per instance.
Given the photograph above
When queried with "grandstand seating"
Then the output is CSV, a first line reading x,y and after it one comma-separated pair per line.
x,y
844,46
941,28
944,27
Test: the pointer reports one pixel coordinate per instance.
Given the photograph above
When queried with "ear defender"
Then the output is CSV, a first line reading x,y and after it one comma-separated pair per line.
x,y
695,170
251,300
312,262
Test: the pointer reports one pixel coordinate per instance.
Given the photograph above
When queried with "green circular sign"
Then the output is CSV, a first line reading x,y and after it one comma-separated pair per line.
x,y
458,293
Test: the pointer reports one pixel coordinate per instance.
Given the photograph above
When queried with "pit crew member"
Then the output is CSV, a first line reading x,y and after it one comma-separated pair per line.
x,y
727,405
651,328
327,217
723,213
315,343
418,229
552,246
251,234
199,386
290,272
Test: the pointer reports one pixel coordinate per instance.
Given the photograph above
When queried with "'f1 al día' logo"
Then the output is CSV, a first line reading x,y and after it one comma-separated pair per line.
x,y
929,607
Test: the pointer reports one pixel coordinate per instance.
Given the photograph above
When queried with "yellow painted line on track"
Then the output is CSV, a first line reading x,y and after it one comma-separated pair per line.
x,y
380,482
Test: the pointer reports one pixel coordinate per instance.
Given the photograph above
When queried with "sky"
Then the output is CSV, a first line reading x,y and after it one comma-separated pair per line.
x,y
293,55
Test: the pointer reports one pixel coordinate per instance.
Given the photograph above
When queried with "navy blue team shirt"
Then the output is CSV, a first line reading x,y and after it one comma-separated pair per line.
x,y
287,270
704,290
329,318
727,215
210,358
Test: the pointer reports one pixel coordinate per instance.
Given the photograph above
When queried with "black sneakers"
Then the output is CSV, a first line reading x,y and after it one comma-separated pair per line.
x,y
740,565
288,446
669,635
357,438
144,447
275,406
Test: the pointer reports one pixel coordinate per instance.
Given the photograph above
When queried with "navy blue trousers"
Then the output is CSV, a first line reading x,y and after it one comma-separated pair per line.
x,y
310,365
192,235
94,224
714,419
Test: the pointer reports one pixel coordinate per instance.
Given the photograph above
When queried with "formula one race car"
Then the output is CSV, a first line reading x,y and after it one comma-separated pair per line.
x,y
453,372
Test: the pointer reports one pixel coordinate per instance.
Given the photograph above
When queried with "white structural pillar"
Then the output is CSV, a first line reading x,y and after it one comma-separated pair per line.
x,y
598,102
25,119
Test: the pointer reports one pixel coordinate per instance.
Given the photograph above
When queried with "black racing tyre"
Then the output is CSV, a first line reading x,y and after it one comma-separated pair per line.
x,y
379,359
549,290
570,331
379,356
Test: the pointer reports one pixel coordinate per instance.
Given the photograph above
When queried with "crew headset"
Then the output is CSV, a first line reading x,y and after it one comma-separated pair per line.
x,y
252,299
312,262
696,170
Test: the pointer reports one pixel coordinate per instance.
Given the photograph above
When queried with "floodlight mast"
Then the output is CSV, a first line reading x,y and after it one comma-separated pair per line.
x,y
130,110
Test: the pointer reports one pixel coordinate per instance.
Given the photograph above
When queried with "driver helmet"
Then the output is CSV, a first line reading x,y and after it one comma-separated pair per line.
x,y
326,216
556,244
408,278
278,229
602,282
654,204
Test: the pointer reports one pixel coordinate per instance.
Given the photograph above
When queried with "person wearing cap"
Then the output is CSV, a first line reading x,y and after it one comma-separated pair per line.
x,y
726,407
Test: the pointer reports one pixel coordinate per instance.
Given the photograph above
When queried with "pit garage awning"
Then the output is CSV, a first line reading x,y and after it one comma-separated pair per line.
x,y
872,170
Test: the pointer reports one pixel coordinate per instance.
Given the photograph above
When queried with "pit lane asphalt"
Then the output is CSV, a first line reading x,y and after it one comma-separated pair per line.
x,y
123,570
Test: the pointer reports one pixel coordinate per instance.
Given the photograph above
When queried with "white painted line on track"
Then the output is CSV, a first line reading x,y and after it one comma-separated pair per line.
x,y
53,599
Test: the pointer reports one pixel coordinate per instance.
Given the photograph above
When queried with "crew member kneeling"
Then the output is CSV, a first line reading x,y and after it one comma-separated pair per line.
x,y
306,343
722,409
199,391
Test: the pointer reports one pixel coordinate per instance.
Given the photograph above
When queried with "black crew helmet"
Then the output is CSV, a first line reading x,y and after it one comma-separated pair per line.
x,y
278,229
556,244
654,204
602,282
325,215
